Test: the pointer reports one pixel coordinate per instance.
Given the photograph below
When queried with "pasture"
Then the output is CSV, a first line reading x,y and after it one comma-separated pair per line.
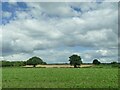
x,y
19,77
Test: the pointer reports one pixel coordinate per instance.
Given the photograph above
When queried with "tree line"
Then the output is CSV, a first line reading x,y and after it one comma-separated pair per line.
x,y
74,60
32,61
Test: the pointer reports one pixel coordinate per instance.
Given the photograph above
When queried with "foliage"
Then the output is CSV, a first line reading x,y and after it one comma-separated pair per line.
x,y
32,61
35,61
75,60
44,63
13,63
113,62
96,62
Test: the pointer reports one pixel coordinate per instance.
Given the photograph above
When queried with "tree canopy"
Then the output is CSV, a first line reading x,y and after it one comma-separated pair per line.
x,y
75,60
35,61
113,62
12,63
96,62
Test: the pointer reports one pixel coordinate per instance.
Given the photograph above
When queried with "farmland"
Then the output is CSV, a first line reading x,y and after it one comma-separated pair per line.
x,y
19,77
57,66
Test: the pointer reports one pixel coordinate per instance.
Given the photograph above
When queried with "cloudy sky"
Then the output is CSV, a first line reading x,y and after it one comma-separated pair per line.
x,y
56,30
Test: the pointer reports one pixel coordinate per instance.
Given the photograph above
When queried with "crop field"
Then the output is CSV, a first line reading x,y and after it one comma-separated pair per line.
x,y
58,66
59,77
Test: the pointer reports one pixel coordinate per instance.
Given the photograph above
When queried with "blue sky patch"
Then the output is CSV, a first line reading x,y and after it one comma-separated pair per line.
x,y
12,8
76,9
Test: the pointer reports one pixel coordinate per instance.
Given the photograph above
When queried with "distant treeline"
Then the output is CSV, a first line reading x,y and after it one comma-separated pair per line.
x,y
74,60
23,63
14,63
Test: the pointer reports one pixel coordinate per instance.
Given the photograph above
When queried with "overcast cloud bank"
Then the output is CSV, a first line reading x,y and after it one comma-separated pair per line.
x,y
54,31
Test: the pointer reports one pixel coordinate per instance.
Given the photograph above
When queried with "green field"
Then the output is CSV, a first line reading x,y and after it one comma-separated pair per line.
x,y
59,77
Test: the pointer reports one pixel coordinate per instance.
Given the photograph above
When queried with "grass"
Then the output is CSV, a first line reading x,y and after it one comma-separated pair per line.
x,y
60,77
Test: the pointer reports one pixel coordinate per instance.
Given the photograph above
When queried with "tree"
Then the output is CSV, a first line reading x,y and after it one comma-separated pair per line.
x,y
6,64
12,63
113,62
75,60
34,61
44,63
96,62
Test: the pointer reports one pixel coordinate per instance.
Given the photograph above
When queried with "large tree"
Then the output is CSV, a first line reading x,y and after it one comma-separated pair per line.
x,y
75,60
96,62
34,61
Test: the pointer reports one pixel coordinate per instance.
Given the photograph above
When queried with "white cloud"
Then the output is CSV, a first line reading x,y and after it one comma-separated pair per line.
x,y
61,1
45,27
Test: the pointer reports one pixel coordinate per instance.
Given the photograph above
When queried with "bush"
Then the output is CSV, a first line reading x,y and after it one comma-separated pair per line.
x,y
13,63
113,62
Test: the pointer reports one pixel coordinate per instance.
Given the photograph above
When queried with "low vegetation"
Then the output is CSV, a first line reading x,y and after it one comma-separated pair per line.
x,y
13,63
60,78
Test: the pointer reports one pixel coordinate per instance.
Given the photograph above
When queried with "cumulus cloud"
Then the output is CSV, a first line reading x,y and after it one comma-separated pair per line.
x,y
42,28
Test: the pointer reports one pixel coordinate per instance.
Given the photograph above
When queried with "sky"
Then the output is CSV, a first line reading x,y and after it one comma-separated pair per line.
x,y
54,31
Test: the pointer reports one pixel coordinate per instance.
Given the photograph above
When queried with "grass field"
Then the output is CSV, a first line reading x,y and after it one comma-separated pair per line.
x,y
60,77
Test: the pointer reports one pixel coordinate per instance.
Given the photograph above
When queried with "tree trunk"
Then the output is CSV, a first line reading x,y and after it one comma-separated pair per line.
x,y
34,65
75,66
